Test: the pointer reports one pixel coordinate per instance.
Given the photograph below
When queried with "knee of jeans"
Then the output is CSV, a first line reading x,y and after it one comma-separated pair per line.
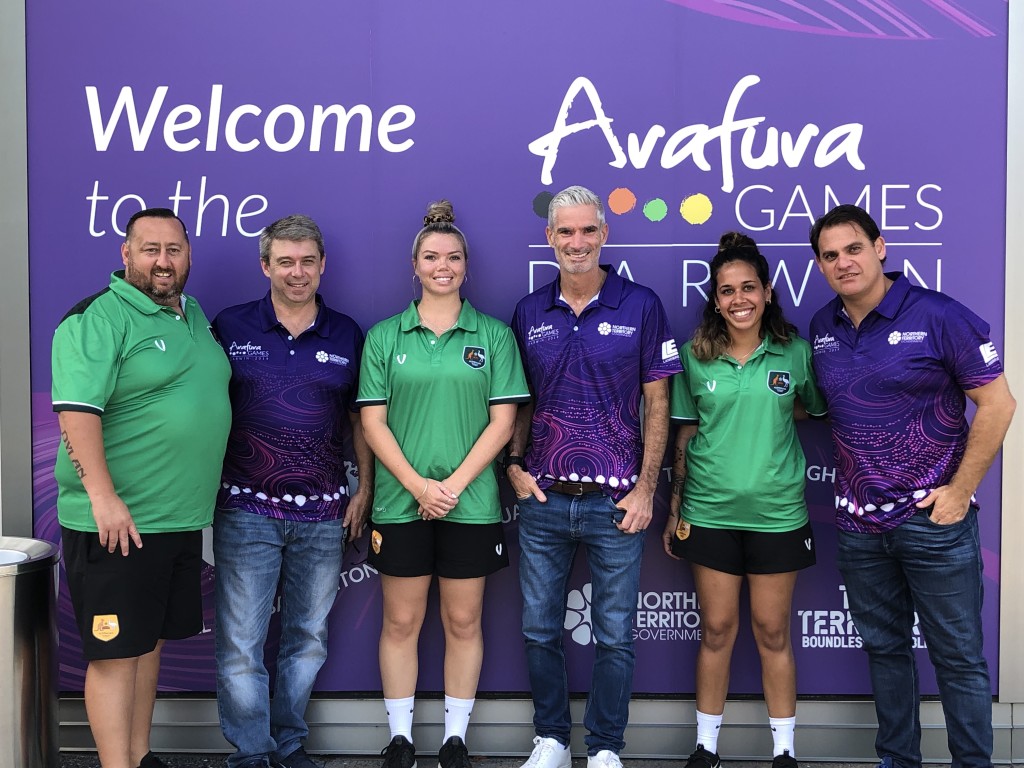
x,y
622,646
962,654
612,632
239,665
543,626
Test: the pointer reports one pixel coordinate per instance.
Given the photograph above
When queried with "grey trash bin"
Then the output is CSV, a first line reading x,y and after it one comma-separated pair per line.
x,y
28,653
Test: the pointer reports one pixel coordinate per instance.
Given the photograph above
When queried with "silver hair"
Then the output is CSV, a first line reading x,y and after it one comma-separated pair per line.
x,y
572,196
294,228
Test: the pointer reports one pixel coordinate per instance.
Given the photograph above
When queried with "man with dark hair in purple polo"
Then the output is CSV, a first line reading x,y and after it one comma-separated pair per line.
x,y
593,344
896,363
285,507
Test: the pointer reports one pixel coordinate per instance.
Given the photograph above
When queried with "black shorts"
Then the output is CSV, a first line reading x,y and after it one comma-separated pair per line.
x,y
124,605
426,547
738,552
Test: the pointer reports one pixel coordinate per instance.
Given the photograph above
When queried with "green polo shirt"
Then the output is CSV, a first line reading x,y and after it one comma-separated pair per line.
x,y
438,392
159,383
745,466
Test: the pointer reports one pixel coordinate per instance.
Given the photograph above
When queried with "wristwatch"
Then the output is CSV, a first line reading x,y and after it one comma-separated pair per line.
x,y
509,461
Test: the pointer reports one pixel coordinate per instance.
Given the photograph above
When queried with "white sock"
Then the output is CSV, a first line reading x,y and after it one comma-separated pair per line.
x,y
400,716
707,730
456,716
782,734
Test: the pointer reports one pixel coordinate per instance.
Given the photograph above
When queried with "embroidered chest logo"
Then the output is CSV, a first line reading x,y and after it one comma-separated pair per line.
x,y
607,329
907,337
400,359
160,344
826,343
474,357
247,351
542,332
711,385
325,357
778,382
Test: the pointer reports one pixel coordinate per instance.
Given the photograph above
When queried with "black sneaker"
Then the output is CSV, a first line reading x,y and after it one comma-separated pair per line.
x,y
400,753
785,760
701,758
297,759
453,754
149,760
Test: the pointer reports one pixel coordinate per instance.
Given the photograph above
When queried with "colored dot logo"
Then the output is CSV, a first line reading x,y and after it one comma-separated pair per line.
x,y
321,357
656,209
540,204
621,201
694,209
895,337
604,329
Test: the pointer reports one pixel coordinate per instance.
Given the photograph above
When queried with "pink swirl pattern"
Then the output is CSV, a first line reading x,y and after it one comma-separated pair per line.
x,y
881,19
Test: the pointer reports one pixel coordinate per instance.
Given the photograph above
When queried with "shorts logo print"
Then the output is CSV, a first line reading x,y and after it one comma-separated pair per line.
x,y
497,549
807,543
778,382
683,530
105,627
376,540
474,357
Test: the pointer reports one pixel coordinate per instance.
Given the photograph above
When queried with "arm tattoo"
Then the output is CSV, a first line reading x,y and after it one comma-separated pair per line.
x,y
79,469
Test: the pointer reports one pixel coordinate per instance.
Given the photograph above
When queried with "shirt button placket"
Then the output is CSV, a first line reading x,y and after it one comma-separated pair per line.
x,y
292,363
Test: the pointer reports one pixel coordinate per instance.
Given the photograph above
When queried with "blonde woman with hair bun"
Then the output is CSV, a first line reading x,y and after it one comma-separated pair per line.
x,y
438,392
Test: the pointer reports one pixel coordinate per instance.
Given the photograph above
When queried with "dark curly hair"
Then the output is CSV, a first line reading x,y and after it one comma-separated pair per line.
x,y
711,338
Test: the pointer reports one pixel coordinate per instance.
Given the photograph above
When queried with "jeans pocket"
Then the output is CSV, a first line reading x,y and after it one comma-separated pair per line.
x,y
926,516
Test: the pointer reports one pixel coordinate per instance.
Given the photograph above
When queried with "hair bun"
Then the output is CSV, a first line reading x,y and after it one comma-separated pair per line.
x,y
735,240
440,212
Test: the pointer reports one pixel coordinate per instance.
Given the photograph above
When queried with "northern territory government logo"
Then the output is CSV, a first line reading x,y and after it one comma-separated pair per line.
x,y
778,382
474,357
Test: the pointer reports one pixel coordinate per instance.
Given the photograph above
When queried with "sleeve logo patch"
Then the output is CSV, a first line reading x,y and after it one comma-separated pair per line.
x,y
988,353
669,351
105,627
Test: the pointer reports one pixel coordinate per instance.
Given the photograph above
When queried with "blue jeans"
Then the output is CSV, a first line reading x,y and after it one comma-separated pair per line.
x,y
253,554
937,570
549,535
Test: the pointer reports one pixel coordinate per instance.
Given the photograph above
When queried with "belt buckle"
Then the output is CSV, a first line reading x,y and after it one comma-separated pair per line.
x,y
577,488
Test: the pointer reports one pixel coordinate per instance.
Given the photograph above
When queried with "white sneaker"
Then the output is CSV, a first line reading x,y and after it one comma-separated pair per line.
x,y
548,753
604,759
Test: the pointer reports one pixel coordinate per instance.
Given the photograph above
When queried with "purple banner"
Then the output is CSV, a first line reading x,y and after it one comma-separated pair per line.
x,y
689,118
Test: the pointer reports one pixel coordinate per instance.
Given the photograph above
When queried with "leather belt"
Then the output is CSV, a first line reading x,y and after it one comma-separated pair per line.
x,y
574,489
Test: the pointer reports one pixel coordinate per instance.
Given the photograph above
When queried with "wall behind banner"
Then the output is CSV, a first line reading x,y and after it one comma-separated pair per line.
x,y
689,118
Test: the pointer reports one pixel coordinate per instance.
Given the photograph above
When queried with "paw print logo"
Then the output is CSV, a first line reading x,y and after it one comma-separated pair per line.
x,y
604,329
577,615
894,337
321,357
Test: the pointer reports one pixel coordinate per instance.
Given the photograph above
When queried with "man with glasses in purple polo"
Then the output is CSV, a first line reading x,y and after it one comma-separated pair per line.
x,y
593,344
896,364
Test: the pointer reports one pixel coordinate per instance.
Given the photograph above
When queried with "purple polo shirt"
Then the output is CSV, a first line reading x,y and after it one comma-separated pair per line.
x,y
895,391
586,376
290,402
